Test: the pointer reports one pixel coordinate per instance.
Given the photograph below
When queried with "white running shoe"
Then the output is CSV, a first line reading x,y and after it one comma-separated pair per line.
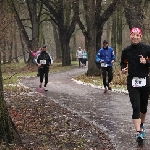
x,y
45,88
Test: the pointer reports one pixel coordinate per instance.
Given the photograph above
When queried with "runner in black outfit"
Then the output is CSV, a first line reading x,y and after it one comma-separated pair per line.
x,y
44,60
134,60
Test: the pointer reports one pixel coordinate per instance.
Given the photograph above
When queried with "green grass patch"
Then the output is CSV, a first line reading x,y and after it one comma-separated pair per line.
x,y
11,73
118,82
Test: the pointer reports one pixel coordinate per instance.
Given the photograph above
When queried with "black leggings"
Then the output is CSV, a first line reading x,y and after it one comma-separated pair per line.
x,y
109,69
44,71
80,61
139,100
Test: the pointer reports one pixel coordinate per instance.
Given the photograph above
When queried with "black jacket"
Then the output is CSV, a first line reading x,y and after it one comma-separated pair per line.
x,y
130,56
43,55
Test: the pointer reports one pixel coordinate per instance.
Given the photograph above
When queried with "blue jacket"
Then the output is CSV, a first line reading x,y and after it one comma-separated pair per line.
x,y
105,54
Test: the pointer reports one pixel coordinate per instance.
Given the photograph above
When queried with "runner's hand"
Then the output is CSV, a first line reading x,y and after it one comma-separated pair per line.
x,y
101,61
39,65
112,61
142,60
125,70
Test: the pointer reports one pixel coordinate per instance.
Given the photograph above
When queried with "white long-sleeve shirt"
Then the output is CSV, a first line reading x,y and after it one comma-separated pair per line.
x,y
79,54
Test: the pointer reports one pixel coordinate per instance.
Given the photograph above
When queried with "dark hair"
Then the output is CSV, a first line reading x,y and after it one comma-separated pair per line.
x,y
105,42
44,46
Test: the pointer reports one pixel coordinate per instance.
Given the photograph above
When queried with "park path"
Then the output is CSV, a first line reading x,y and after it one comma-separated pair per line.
x,y
111,112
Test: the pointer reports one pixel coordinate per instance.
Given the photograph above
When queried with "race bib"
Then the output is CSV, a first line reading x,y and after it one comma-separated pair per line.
x,y
103,65
138,82
42,61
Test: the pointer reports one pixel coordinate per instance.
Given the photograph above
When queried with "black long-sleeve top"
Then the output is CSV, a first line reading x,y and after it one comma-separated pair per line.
x,y
44,56
130,57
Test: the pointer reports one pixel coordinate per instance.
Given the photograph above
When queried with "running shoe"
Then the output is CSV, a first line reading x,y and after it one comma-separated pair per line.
x,y
45,89
139,137
40,86
109,88
143,131
105,90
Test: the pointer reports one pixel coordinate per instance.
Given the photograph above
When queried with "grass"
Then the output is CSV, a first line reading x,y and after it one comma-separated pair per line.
x,y
12,72
119,79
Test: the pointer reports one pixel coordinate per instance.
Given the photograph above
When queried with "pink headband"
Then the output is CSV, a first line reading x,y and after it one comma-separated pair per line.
x,y
137,30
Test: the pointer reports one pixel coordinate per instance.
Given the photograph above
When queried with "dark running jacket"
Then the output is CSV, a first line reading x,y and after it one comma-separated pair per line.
x,y
131,57
43,55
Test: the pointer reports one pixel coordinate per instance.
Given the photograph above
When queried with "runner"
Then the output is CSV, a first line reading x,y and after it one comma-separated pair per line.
x,y
106,57
44,60
79,55
133,61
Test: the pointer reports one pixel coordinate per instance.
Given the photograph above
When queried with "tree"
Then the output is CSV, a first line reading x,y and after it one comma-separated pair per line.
x,y
95,19
117,28
57,42
64,14
8,132
34,17
134,12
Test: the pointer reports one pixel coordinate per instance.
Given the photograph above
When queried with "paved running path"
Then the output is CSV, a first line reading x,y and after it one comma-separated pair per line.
x,y
111,112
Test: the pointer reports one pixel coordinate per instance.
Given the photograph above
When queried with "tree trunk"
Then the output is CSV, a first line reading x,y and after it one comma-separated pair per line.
x,y
57,42
99,32
15,44
119,34
16,53
34,18
90,15
109,31
4,52
114,34
10,49
23,49
66,59
8,132
134,13
35,24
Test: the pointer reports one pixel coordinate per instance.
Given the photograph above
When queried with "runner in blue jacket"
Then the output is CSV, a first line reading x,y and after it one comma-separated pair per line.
x,y
106,57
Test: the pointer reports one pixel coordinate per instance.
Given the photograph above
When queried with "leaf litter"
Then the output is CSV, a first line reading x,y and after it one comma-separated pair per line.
x,y
45,125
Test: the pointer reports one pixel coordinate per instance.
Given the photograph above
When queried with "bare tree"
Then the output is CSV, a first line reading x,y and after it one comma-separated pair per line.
x,y
134,12
64,13
95,18
56,38
34,18
8,132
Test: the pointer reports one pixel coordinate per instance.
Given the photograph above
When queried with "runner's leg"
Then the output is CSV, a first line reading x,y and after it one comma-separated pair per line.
x,y
46,75
134,95
41,76
104,76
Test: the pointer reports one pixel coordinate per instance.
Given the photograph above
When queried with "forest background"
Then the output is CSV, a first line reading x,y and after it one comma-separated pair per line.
x,y
64,25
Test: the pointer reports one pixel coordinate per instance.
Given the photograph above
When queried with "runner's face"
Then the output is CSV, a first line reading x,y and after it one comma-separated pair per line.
x,y
105,45
135,37
44,48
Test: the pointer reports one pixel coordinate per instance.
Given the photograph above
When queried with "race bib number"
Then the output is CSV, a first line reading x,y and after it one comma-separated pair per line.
x,y
42,61
138,82
103,65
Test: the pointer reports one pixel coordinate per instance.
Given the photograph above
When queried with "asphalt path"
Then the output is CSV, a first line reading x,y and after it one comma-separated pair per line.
x,y
111,112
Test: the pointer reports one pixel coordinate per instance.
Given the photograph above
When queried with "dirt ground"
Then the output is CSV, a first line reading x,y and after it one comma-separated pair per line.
x,y
45,125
